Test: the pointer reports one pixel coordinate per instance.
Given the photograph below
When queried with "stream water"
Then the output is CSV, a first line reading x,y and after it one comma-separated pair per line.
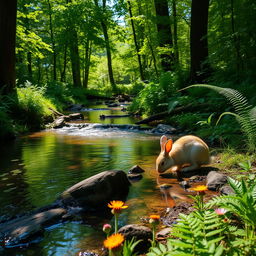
x,y
36,168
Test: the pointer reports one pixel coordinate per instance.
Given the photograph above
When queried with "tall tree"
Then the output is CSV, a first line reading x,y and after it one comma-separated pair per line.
x,y
136,41
73,48
164,34
102,12
199,69
175,32
52,40
8,13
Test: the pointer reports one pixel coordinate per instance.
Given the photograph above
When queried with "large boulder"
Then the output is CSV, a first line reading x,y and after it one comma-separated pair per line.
x,y
98,190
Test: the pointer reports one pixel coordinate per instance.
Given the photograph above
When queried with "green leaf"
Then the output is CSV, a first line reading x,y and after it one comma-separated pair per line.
x,y
162,248
214,232
219,250
156,250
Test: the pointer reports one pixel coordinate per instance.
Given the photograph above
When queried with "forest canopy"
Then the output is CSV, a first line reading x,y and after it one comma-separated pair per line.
x,y
98,43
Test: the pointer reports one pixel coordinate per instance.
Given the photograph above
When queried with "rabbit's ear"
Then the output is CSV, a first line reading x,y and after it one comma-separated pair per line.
x,y
168,146
163,141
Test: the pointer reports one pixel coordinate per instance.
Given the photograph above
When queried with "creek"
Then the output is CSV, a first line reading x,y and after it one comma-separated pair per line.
x,y
36,168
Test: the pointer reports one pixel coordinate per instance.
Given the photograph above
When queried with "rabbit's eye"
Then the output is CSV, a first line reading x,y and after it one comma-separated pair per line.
x,y
162,163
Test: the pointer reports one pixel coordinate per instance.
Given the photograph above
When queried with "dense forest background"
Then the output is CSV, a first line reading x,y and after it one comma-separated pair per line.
x,y
67,50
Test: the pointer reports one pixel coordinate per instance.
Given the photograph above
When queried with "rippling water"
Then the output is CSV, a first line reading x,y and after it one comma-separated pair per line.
x,y
36,168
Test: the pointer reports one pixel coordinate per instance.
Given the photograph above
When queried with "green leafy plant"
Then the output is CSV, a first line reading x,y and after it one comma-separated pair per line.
x,y
195,234
242,204
31,107
129,246
244,112
207,122
246,166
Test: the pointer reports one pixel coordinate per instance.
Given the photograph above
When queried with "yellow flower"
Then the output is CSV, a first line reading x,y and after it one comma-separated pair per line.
x,y
117,206
154,217
200,188
114,241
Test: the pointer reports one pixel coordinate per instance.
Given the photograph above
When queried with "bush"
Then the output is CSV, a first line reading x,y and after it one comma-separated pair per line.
x,y
59,93
32,108
155,96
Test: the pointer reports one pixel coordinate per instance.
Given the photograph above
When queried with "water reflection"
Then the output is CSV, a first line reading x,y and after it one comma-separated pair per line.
x,y
35,169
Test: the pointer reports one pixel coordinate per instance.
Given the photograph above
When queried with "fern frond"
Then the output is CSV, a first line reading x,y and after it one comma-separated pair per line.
x,y
245,113
236,186
227,113
254,192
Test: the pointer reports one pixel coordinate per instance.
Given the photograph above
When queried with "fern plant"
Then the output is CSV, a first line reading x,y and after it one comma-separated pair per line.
x,y
244,112
196,234
243,205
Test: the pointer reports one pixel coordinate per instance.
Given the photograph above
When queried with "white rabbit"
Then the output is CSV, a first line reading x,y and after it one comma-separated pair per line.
x,y
188,150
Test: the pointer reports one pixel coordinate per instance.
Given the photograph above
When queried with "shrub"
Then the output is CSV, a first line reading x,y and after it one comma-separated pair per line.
x,y
155,96
59,93
245,114
32,107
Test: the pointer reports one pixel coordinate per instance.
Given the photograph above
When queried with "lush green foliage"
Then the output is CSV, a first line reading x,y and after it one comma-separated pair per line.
x,y
155,96
199,234
242,203
32,107
244,112
204,232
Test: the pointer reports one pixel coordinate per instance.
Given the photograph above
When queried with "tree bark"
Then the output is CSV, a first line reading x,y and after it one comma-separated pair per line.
x,y
175,33
8,13
136,42
200,68
74,53
29,65
52,41
75,59
164,33
87,59
107,44
63,72
239,62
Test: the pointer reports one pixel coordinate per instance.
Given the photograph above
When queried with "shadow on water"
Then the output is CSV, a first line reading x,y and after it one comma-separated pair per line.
x,y
35,169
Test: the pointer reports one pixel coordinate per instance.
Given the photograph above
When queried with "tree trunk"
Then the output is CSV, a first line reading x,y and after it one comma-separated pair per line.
x,y
109,58
63,73
29,65
74,53
199,69
52,42
175,33
107,45
136,42
39,75
8,12
87,58
75,59
239,62
164,33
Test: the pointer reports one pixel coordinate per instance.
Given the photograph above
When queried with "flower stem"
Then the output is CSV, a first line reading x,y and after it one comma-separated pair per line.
x,y
154,235
116,223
